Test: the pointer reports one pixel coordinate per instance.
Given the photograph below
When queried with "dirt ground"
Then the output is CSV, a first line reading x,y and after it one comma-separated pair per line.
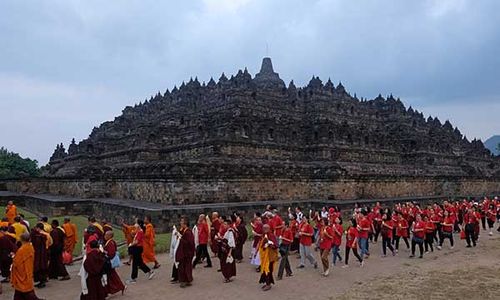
x,y
462,273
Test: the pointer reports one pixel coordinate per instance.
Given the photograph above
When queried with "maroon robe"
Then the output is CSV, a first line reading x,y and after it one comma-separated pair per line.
x,y
241,238
184,256
7,246
115,284
41,264
56,266
228,269
94,264
213,234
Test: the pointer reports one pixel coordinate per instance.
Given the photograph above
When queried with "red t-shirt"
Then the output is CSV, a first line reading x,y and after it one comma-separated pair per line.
x,y
429,227
365,224
402,230
386,230
203,233
139,238
326,241
449,226
337,237
306,240
277,224
491,214
287,234
419,225
352,233
470,218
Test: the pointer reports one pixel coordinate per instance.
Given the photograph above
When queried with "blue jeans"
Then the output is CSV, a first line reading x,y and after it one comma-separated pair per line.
x,y
336,254
363,247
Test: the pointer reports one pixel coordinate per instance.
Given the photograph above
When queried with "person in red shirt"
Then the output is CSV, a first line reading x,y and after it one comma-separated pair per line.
x,y
278,225
377,222
306,233
402,231
364,227
294,227
491,217
470,221
257,231
137,248
429,234
386,232
352,243
325,244
284,249
446,230
337,239
418,236
203,232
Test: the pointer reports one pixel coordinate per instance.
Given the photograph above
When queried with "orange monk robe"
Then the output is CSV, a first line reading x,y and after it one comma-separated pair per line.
x,y
70,240
148,254
22,269
129,233
10,213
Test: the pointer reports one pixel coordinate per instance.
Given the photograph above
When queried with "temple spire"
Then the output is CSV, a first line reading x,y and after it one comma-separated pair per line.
x,y
267,78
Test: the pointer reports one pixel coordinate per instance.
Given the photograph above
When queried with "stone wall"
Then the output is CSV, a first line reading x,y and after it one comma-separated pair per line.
x,y
181,192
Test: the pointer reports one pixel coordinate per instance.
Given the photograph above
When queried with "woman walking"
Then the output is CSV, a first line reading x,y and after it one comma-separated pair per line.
x,y
136,248
351,243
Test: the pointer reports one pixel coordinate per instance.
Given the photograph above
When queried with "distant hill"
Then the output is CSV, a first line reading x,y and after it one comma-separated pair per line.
x,y
492,144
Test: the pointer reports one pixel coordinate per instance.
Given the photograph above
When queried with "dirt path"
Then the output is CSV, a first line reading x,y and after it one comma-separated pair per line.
x,y
462,273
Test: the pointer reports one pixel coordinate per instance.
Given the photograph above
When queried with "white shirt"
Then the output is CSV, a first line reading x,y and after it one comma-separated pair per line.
x,y
229,236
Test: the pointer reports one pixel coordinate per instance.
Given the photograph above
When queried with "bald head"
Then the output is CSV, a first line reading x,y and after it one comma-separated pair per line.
x,y
25,237
266,228
108,235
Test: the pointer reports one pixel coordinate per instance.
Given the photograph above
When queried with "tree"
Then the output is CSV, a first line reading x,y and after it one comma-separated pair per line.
x,y
12,165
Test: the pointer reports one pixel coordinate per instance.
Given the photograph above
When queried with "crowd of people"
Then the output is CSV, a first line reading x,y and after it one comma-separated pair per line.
x,y
32,255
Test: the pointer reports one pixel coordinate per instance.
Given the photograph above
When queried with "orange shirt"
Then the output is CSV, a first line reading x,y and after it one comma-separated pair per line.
x,y
22,269
11,213
70,231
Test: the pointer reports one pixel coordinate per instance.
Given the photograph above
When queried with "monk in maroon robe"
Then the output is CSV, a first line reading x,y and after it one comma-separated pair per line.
x,y
241,237
7,247
41,264
185,253
115,284
213,232
56,266
93,265
227,243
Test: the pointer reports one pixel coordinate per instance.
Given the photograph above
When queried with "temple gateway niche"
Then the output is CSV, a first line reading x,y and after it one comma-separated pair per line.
x,y
248,138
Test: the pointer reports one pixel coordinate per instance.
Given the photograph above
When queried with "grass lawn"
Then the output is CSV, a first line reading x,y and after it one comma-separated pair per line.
x,y
162,240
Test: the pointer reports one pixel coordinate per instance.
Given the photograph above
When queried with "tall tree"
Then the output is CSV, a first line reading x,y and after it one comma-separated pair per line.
x,y
12,165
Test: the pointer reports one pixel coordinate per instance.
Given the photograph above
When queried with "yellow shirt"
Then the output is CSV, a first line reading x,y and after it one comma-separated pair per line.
x,y
20,229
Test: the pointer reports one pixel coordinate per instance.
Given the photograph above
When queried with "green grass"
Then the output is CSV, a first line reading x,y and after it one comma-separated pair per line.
x,y
162,239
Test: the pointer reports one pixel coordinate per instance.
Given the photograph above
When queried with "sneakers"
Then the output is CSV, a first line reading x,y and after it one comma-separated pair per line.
x,y
315,265
130,281
439,247
451,248
326,273
301,267
345,266
362,264
151,274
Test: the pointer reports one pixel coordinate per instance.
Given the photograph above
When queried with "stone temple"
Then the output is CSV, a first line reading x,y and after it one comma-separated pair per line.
x,y
248,138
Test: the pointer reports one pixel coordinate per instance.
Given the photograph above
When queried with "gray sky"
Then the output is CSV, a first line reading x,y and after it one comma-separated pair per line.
x,y
67,66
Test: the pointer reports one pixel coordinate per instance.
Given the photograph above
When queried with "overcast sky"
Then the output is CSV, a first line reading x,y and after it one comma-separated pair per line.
x,y
67,66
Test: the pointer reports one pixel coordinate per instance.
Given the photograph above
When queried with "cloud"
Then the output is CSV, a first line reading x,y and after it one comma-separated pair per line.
x,y
73,64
